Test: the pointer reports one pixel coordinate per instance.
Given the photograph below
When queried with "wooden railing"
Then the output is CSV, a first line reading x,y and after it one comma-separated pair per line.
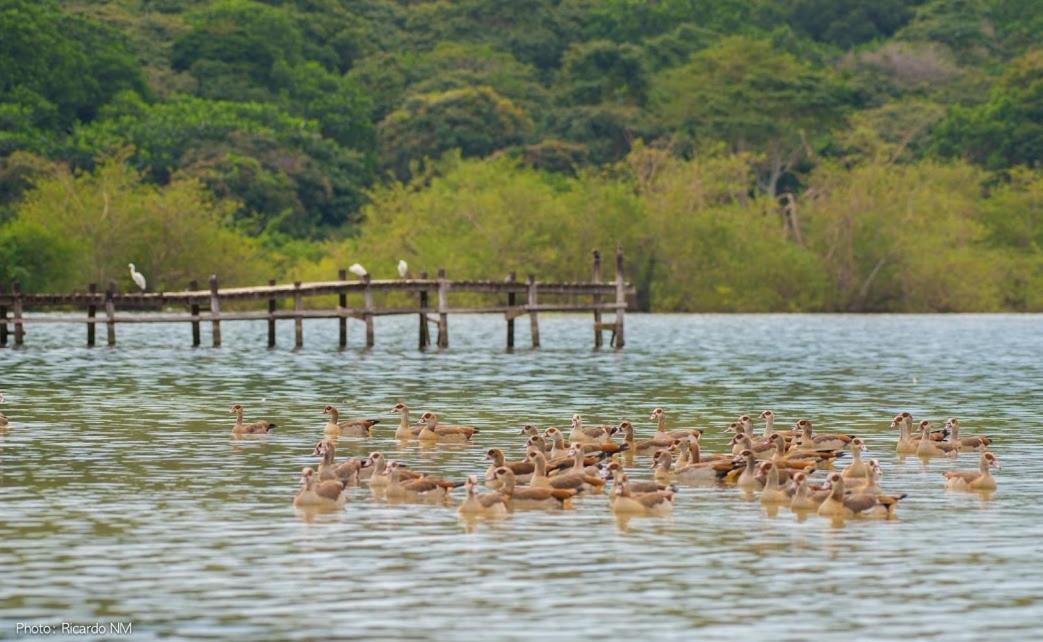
x,y
193,299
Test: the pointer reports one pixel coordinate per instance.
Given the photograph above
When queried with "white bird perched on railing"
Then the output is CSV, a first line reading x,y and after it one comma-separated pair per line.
x,y
137,277
357,270
403,268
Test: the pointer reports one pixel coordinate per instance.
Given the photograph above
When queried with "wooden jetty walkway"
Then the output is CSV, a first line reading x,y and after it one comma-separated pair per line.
x,y
526,298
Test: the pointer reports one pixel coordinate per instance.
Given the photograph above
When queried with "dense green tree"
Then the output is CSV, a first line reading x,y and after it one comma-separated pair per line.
x,y
848,22
1008,128
756,98
321,181
602,71
476,121
57,68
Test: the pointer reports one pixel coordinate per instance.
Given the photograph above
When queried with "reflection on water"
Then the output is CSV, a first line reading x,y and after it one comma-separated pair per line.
x,y
124,497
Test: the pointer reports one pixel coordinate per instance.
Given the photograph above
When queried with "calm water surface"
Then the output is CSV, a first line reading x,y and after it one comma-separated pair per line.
x,y
123,497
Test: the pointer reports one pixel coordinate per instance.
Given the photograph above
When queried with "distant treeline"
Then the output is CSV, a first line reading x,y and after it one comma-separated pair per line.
x,y
818,155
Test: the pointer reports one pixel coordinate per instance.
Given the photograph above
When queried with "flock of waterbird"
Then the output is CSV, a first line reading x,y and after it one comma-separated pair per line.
x,y
557,469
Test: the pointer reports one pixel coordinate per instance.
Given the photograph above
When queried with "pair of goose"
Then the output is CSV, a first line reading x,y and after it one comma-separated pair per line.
x,y
800,437
324,488
428,429
934,443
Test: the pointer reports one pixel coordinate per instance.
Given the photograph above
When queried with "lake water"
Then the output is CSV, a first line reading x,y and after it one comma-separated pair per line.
x,y
123,497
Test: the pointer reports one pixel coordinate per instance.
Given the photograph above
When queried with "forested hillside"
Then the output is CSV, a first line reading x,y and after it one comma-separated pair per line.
x,y
813,155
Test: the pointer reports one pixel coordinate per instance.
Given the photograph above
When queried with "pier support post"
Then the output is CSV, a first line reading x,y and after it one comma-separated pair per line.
x,y
443,309
599,339
110,315
298,320
271,317
19,329
621,298
193,310
534,320
367,298
92,311
3,321
215,312
512,301
342,305
425,333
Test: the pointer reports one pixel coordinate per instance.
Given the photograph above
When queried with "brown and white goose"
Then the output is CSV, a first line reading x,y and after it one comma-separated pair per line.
x,y
347,427
241,428
656,503
974,480
936,435
810,441
448,434
492,504
613,469
841,505
772,493
522,470
587,434
425,489
966,442
857,469
662,434
405,430
346,472
522,497
321,495
804,497
927,447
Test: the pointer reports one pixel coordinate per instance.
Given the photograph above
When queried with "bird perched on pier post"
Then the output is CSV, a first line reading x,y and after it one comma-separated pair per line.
x,y
357,270
403,268
137,277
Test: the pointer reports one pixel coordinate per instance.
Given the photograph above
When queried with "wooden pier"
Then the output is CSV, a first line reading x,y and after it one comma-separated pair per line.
x,y
204,306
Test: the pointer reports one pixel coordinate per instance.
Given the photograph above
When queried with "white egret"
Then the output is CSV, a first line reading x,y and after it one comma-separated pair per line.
x,y
357,270
137,277
403,268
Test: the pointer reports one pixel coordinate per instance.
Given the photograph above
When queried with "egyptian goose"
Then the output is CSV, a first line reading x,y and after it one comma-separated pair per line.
x,y
662,434
530,430
690,452
347,427
804,497
530,496
927,447
423,489
698,472
405,430
537,442
522,470
791,459
541,479
906,443
761,449
645,446
347,471
578,477
967,442
868,485
614,469
857,469
841,505
315,494
260,427
772,492
809,441
559,447
445,433
492,504
769,427
747,479
656,503
662,464
975,480
936,435
376,471
587,434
